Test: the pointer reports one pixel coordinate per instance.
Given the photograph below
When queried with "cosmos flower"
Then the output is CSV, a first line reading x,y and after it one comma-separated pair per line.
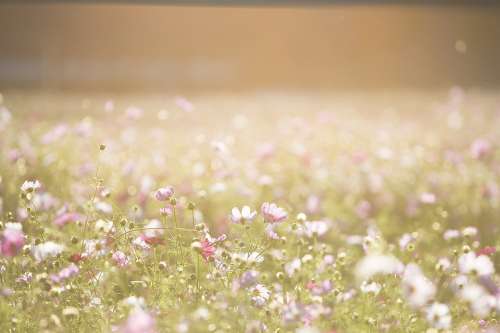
x,y
164,193
248,278
12,239
370,287
374,264
272,213
66,218
245,215
364,209
248,257
417,289
451,234
319,288
184,104
153,232
480,301
480,148
260,294
120,259
470,263
469,231
271,233
316,228
207,249
438,316
139,321
25,277
428,198
46,250
292,267
65,273
30,186
105,226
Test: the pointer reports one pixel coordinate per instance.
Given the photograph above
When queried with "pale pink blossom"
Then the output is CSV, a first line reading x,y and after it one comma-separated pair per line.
x,y
66,218
480,148
120,259
272,213
65,273
164,193
139,321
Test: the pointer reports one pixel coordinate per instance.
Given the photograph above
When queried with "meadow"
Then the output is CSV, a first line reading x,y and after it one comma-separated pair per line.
x,y
259,212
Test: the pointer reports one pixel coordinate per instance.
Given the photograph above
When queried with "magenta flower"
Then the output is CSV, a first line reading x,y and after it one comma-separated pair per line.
x,y
272,213
11,241
164,193
207,249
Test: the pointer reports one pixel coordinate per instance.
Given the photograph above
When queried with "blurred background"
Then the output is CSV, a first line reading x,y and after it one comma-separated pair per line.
x,y
117,47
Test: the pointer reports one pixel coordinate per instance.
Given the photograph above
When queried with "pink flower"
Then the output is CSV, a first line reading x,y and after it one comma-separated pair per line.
x,y
11,241
139,321
120,259
480,148
428,198
272,213
164,193
184,104
364,209
65,218
65,273
207,249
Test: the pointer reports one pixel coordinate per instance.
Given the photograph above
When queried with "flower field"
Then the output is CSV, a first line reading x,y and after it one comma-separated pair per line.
x,y
307,213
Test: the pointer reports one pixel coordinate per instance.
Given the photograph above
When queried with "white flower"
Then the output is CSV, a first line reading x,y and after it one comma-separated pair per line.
x,y
245,215
249,257
301,217
260,294
478,298
443,264
374,264
451,234
91,246
45,250
5,117
14,226
469,232
135,302
405,240
30,186
105,226
469,263
438,315
201,313
372,287
104,207
293,266
315,228
153,229
417,288
459,282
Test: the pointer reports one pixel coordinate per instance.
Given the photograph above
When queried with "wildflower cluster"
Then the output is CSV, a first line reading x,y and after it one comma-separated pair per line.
x,y
302,220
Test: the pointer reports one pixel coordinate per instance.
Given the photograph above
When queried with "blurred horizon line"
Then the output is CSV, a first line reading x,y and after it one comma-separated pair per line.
x,y
258,3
